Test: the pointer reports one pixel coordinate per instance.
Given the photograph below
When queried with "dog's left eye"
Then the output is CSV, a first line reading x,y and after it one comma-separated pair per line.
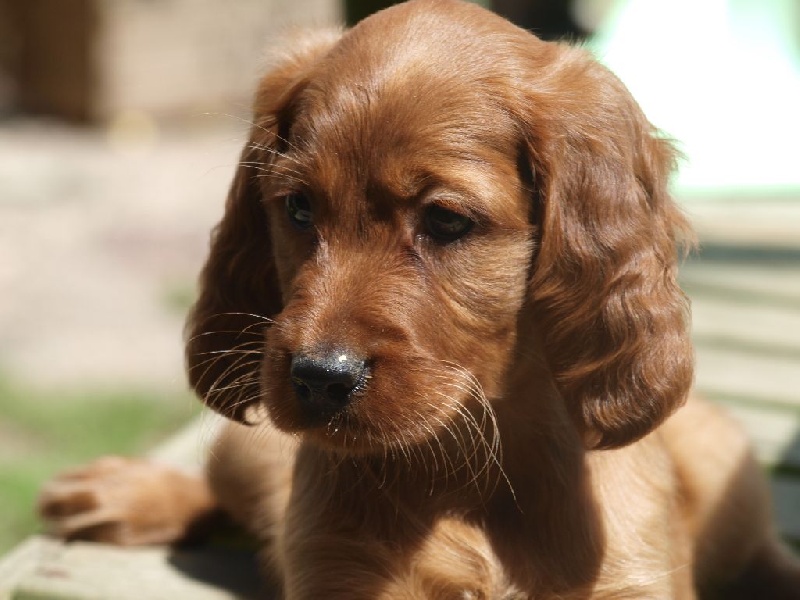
x,y
446,225
298,207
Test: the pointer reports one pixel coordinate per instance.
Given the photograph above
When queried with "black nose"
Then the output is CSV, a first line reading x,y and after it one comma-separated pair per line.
x,y
325,382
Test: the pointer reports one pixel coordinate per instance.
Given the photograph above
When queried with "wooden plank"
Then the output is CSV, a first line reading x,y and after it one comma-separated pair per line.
x,y
775,433
21,562
786,500
765,330
86,571
746,327
766,220
781,280
738,373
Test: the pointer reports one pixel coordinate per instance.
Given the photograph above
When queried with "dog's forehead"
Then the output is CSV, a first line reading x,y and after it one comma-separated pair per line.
x,y
403,132
388,152
410,97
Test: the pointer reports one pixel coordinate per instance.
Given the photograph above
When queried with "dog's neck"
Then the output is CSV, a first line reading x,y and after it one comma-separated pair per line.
x,y
541,472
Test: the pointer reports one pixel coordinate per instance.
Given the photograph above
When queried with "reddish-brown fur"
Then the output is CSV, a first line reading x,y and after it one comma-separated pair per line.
x,y
512,439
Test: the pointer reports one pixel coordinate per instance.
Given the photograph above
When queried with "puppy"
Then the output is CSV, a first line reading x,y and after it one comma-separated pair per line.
x,y
442,302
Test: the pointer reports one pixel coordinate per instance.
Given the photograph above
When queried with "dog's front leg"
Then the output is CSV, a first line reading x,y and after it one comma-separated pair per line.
x,y
126,501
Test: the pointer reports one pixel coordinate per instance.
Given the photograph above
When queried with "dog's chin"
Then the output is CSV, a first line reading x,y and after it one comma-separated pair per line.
x,y
346,431
364,426
348,439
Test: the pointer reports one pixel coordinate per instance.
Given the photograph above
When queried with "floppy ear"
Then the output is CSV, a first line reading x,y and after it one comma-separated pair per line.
x,y
239,291
613,318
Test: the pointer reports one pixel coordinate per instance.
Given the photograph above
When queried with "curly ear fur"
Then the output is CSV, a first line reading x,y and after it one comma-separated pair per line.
x,y
239,290
604,290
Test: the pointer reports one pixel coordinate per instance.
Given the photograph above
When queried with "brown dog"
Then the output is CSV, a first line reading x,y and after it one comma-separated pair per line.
x,y
447,269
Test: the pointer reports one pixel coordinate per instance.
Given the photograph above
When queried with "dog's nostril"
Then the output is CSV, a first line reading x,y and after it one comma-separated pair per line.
x,y
339,392
301,389
327,380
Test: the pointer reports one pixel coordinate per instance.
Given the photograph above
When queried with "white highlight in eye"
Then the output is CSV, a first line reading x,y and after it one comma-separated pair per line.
x,y
342,358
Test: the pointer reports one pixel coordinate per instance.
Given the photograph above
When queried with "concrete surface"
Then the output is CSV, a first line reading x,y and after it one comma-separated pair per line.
x,y
98,234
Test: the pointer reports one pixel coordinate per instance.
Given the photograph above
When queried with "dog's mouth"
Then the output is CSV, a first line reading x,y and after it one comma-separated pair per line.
x,y
326,395
342,401
338,397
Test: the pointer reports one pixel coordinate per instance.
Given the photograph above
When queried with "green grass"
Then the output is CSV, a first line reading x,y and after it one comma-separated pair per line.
x,y
177,297
44,432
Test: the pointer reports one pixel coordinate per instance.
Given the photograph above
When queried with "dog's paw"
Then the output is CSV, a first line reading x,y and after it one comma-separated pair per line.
x,y
124,501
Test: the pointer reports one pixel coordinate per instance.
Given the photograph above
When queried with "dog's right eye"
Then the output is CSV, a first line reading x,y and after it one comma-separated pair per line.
x,y
446,225
298,207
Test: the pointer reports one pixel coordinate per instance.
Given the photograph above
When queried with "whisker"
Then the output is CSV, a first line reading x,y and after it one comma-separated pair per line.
x,y
252,124
274,151
282,176
277,169
482,446
217,355
238,363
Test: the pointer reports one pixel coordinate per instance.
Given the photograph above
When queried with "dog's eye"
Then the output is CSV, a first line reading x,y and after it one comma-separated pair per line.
x,y
298,208
445,225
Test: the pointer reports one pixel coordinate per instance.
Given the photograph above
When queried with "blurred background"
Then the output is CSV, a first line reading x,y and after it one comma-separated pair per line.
x,y
120,126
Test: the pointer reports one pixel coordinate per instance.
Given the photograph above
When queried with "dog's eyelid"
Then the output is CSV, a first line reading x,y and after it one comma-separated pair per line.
x,y
275,198
280,194
456,203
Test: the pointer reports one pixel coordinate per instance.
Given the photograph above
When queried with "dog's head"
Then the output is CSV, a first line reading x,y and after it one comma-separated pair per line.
x,y
411,190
